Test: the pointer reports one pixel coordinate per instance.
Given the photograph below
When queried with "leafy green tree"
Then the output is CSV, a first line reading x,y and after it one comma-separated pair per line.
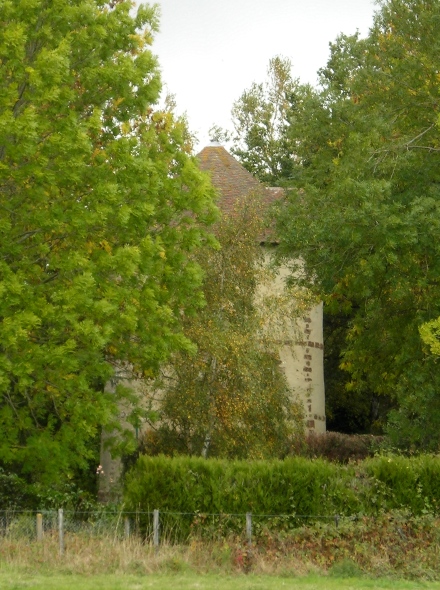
x,y
430,334
100,207
260,117
231,398
348,410
367,221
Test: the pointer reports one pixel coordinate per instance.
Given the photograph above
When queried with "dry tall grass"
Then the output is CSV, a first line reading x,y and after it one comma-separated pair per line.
x,y
91,555
388,545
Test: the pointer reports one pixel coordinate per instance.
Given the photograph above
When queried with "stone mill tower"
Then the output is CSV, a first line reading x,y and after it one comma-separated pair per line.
x,y
301,353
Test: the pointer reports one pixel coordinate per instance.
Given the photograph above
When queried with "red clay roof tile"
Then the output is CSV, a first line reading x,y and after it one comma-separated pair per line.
x,y
234,182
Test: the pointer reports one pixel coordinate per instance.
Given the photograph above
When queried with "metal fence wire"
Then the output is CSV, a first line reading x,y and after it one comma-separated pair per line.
x,y
150,527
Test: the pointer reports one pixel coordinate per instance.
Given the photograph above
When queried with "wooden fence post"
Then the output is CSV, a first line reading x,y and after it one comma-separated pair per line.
x,y
156,529
249,528
127,527
39,527
61,530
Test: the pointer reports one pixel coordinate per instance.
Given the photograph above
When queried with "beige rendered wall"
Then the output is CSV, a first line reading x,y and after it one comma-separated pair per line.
x,y
303,365
302,355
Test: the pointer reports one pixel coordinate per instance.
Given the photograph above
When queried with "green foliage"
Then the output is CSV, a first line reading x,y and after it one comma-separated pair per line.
x,y
409,482
347,409
366,224
210,401
294,486
430,334
18,494
13,491
100,206
260,119
335,446
346,568
189,484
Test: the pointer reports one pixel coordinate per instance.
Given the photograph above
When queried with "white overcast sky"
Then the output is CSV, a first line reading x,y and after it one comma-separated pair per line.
x,y
211,50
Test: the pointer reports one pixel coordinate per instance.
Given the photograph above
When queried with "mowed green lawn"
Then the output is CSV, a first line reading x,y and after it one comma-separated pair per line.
x,y
10,580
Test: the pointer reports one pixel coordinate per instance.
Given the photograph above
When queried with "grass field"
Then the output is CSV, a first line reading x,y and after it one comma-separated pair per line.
x,y
16,580
384,553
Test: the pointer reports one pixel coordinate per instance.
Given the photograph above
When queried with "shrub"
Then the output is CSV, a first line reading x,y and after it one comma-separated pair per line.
x,y
337,447
408,482
292,487
14,492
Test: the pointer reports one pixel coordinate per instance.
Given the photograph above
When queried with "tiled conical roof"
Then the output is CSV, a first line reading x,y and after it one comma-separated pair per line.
x,y
232,180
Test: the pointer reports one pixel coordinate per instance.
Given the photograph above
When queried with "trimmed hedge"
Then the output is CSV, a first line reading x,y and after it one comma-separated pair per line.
x,y
292,486
412,483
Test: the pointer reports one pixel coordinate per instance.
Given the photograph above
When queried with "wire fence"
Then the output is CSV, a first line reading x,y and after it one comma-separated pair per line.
x,y
386,543
150,527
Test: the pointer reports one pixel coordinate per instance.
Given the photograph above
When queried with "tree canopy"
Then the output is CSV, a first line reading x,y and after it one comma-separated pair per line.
x,y
260,121
366,219
100,208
